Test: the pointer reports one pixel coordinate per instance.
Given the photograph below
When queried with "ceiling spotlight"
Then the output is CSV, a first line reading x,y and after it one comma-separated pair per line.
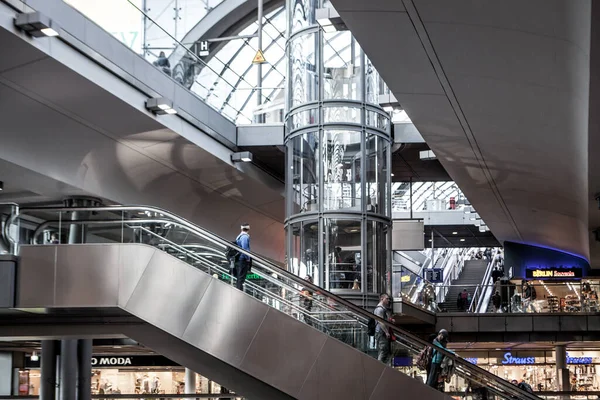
x,y
34,356
462,240
36,24
244,156
455,233
160,106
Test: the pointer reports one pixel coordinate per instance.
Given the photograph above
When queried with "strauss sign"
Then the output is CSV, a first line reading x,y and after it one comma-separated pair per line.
x,y
117,361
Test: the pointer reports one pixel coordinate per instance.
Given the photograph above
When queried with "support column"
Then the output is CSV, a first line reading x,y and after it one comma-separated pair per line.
x,y
84,369
79,352
562,372
48,367
68,370
190,381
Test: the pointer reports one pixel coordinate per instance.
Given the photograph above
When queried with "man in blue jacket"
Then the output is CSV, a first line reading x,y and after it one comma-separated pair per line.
x,y
243,263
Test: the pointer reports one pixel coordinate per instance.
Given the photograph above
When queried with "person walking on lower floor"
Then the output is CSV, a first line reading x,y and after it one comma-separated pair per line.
x,y
244,262
382,334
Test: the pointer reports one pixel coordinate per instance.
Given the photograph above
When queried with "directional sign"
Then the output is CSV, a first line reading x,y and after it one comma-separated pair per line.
x,y
259,58
203,48
435,275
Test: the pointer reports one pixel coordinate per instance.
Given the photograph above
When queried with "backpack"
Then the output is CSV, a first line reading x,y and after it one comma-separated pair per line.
x,y
424,359
232,253
525,386
372,324
464,295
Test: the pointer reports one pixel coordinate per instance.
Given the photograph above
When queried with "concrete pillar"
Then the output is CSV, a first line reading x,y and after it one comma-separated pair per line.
x,y
48,367
562,372
82,349
190,381
68,370
84,369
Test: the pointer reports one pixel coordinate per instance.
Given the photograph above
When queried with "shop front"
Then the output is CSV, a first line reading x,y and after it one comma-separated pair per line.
x,y
538,368
126,374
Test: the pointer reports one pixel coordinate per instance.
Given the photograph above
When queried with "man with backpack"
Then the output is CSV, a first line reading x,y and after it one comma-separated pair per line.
x,y
383,338
243,262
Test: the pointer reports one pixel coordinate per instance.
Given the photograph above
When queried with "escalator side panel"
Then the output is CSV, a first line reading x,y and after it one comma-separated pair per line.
x,y
201,318
167,293
206,364
210,328
321,382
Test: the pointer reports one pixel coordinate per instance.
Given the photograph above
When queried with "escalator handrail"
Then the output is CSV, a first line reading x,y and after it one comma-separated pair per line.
x,y
358,311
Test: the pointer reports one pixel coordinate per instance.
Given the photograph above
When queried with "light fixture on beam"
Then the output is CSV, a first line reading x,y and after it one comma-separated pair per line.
x,y
462,240
389,103
160,106
329,19
37,24
243,156
34,356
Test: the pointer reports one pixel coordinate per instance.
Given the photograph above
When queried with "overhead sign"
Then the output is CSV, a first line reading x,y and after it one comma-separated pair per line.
x,y
259,58
554,273
203,48
510,360
435,275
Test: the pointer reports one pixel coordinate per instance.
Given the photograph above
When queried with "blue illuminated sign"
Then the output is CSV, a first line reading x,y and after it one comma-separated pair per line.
x,y
578,360
510,360
472,360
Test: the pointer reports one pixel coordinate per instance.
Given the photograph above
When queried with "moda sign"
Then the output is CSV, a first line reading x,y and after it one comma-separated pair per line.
x,y
111,361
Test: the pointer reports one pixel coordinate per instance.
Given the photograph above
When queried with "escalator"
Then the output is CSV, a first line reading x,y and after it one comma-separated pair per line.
x,y
165,282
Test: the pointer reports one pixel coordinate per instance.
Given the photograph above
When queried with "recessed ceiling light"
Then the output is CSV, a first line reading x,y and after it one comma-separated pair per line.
x,y
462,240
455,233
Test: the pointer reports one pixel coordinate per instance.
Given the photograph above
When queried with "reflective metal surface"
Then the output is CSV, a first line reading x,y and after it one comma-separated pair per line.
x,y
176,292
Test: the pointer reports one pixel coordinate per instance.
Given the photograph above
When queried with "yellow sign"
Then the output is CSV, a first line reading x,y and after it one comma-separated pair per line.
x,y
405,278
259,58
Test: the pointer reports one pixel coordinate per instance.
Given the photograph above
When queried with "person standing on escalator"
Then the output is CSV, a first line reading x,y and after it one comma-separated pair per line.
x,y
383,338
441,341
244,262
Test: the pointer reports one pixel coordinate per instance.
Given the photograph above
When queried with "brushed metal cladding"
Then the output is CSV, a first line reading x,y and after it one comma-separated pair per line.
x,y
393,384
225,322
519,324
133,260
87,276
464,324
546,323
283,352
36,276
168,293
576,323
492,324
197,360
593,323
334,362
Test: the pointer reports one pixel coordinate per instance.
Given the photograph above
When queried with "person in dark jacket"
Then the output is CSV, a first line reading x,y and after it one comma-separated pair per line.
x,y
497,301
163,63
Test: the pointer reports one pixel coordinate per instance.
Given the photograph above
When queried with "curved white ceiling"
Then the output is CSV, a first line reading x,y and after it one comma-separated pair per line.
x,y
499,90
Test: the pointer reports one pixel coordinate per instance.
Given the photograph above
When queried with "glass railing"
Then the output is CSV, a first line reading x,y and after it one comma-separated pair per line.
x,y
427,196
149,34
268,282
